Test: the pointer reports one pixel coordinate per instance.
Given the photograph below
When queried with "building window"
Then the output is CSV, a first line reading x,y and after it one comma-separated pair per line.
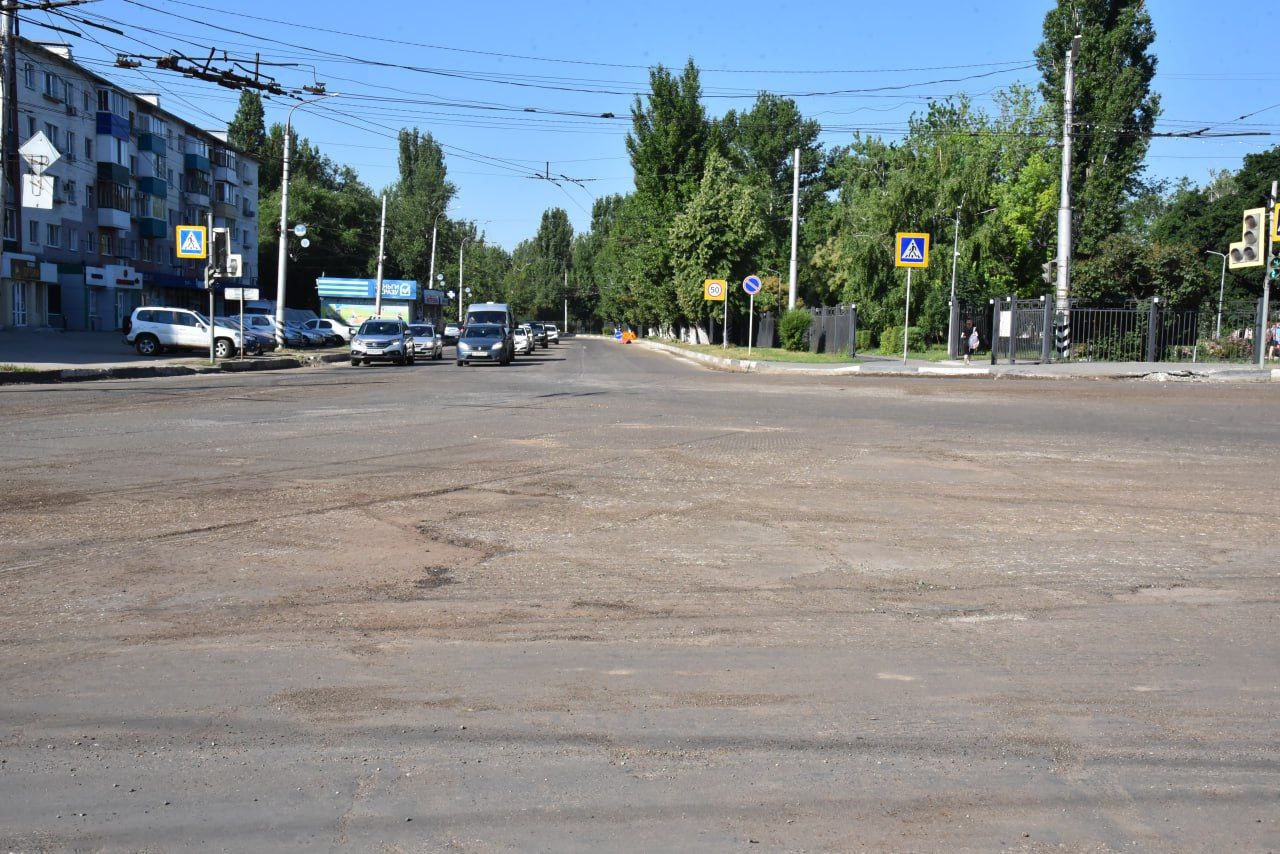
x,y
72,143
33,232
113,196
106,243
88,195
133,165
88,148
170,177
53,86
73,239
53,300
31,126
51,131
104,101
53,235
29,75
10,224
86,100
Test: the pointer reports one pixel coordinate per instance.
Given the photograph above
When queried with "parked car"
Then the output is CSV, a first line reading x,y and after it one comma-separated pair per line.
x,y
311,337
523,341
553,332
483,342
152,330
426,341
335,331
452,329
254,342
382,340
265,324
539,334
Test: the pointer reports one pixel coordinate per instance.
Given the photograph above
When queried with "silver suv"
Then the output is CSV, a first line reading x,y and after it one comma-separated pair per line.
x,y
152,330
382,340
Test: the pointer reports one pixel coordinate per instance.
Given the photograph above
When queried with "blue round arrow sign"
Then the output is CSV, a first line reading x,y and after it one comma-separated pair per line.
x,y
751,284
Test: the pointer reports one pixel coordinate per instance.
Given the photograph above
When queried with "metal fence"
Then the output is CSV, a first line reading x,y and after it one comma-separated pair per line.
x,y
1152,331
834,329
1022,330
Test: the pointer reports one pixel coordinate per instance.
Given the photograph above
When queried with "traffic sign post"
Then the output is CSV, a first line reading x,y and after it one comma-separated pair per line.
x,y
192,241
717,290
912,253
751,284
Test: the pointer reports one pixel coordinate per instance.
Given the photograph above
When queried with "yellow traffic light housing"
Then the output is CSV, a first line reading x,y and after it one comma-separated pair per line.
x,y
1249,251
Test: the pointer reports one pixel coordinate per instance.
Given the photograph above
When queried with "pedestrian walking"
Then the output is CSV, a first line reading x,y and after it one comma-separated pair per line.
x,y
970,340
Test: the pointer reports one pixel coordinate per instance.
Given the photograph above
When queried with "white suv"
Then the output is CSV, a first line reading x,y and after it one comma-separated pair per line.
x,y
152,330
335,332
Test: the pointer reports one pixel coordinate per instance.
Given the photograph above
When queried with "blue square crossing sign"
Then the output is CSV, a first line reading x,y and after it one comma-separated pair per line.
x,y
192,241
912,250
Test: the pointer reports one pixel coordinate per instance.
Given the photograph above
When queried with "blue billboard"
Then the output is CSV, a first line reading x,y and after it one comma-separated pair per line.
x,y
397,289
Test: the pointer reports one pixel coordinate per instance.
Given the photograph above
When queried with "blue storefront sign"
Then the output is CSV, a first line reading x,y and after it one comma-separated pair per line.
x,y
395,289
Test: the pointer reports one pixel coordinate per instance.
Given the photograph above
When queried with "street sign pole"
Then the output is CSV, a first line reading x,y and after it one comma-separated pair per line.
x,y
724,330
1260,343
751,313
208,283
906,327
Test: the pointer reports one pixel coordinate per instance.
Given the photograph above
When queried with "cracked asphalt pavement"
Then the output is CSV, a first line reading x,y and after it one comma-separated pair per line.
x,y
604,599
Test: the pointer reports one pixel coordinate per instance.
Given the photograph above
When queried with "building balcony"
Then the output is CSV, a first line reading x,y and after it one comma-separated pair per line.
x,y
149,227
154,187
109,124
195,163
247,210
112,218
222,173
154,143
113,173
225,210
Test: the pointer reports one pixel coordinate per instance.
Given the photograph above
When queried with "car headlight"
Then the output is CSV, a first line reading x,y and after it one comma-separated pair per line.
x,y
463,347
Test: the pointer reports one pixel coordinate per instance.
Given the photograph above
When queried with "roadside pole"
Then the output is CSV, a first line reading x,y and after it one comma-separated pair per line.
x,y
795,227
724,330
906,324
752,285
1261,343
208,282
953,316
566,300
382,242
1062,296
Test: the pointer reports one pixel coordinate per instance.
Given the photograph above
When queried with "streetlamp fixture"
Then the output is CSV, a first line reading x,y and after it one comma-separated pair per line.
x,y
1222,283
283,234
431,274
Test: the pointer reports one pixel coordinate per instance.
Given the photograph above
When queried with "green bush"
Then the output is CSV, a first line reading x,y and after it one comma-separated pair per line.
x,y
793,329
864,341
891,340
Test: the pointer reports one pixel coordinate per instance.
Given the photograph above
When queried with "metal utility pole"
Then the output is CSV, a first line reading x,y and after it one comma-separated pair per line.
x,y
431,276
9,173
953,316
566,300
1268,220
1222,284
1063,296
382,243
208,283
461,252
795,227
282,263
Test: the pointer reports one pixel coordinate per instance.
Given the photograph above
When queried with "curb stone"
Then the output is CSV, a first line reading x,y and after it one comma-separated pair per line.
x,y
126,372
873,370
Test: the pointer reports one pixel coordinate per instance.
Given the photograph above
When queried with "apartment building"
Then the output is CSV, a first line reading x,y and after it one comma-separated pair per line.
x,y
129,172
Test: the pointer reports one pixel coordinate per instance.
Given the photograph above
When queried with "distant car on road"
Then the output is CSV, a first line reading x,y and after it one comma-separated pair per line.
x,y
488,342
254,342
452,329
539,334
426,341
523,341
152,330
265,324
382,340
553,332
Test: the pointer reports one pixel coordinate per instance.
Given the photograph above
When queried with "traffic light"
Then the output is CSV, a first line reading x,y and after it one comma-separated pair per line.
x,y
1049,272
1273,268
219,250
1249,250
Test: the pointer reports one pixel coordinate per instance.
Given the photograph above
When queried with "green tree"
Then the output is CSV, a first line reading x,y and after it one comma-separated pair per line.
x,y
717,235
248,130
1115,110
419,196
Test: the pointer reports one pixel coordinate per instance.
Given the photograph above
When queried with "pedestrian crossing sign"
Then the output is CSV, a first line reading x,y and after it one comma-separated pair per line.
x,y
913,250
192,241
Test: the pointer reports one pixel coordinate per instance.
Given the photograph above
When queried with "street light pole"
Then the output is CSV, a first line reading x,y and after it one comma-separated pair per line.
x,y
382,243
431,276
282,264
1222,284
461,252
953,316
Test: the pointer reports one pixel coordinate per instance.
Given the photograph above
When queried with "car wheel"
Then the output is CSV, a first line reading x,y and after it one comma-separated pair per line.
x,y
147,345
223,349
355,363
461,363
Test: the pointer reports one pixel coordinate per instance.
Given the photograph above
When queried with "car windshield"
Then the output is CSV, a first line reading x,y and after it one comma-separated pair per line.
x,y
482,332
201,316
377,327
498,317
422,331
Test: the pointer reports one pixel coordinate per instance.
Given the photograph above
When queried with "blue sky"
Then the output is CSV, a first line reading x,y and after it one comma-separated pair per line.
x,y
494,144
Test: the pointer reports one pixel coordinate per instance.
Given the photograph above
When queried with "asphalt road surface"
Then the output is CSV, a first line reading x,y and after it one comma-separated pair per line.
x,y
603,599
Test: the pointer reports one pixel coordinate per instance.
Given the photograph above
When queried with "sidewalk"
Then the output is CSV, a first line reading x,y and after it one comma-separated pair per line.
x,y
877,365
50,356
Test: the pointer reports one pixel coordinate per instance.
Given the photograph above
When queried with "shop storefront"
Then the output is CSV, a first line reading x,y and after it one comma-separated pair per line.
x,y
352,300
24,290
112,293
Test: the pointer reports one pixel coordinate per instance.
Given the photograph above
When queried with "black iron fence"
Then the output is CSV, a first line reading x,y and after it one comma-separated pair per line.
x,y
834,329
